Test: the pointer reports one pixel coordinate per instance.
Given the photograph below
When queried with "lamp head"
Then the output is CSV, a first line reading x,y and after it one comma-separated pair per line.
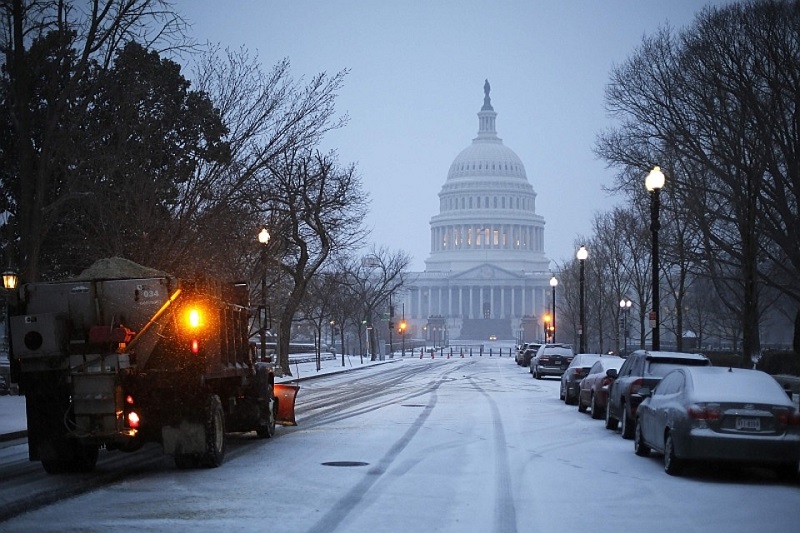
x,y
582,254
654,180
10,279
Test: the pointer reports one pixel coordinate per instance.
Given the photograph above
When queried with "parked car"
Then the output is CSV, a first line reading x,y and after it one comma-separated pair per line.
x,y
641,369
575,372
528,353
520,350
715,413
593,389
3,386
551,360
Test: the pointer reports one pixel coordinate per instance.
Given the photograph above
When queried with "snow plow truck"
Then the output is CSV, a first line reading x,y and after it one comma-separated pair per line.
x,y
124,355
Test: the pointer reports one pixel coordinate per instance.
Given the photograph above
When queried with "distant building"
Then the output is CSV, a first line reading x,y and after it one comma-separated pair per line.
x,y
487,275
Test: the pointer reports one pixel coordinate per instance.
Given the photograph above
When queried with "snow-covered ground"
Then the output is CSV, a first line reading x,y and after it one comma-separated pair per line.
x,y
431,445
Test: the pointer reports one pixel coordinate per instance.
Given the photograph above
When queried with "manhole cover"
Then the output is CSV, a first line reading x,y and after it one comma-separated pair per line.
x,y
345,463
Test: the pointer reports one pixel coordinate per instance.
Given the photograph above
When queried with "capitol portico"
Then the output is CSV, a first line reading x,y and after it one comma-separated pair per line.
x,y
487,274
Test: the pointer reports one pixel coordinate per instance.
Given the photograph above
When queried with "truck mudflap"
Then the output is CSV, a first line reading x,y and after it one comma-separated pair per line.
x,y
285,393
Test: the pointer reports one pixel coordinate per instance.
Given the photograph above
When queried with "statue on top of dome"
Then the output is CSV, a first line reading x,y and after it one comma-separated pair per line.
x,y
487,102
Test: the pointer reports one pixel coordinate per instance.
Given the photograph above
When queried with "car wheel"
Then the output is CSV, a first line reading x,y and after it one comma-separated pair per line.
x,y
537,375
597,413
639,447
611,422
569,399
672,465
581,405
561,394
627,424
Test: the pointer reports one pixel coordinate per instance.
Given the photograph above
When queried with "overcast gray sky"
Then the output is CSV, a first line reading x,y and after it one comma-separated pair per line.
x,y
416,85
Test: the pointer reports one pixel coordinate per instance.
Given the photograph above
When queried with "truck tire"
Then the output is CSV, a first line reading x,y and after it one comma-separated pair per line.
x,y
215,433
266,428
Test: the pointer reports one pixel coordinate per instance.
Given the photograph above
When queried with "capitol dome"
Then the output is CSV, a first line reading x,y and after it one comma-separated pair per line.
x,y
487,208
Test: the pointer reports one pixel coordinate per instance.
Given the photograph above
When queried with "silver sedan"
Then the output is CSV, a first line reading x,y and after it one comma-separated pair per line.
x,y
719,414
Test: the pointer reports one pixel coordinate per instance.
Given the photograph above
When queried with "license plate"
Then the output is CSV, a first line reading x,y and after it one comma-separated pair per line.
x,y
748,424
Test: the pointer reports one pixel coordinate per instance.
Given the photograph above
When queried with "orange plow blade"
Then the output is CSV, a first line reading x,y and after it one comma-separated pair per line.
x,y
286,393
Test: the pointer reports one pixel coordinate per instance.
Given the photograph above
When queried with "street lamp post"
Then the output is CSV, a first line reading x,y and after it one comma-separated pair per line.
x,y
553,284
625,307
582,254
654,182
263,238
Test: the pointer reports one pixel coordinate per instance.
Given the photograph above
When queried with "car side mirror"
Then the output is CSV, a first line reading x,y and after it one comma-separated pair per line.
x,y
612,373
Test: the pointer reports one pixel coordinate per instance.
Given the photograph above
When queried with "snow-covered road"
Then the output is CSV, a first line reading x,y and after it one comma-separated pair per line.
x,y
448,445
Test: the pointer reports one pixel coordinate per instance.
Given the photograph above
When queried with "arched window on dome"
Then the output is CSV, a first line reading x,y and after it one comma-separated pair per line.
x,y
462,202
470,202
486,202
504,202
495,202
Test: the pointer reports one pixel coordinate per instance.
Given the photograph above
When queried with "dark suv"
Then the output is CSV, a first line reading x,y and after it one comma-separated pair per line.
x,y
551,360
641,369
526,353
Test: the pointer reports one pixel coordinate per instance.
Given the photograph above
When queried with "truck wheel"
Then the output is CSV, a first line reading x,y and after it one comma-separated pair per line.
x,y
266,428
215,433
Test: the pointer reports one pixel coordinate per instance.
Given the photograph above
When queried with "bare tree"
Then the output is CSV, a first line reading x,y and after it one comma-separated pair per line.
x,y
373,278
717,102
316,210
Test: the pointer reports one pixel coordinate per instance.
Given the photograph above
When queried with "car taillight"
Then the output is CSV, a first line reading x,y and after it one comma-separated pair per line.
x,y
788,418
606,381
635,386
579,372
544,360
133,420
704,411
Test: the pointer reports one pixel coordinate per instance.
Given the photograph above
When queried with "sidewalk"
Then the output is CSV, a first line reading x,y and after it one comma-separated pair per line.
x,y
13,423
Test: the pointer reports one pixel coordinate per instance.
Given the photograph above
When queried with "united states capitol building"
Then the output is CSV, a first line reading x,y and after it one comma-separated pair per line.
x,y
487,275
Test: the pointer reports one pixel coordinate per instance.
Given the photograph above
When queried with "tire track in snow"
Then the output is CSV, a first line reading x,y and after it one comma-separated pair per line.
x,y
505,514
